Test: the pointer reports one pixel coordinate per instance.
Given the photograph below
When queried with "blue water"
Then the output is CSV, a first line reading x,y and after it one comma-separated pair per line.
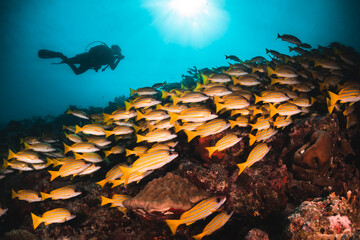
x,y
157,43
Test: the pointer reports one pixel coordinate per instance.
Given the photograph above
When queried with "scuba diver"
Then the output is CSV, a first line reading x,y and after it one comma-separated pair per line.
x,y
95,58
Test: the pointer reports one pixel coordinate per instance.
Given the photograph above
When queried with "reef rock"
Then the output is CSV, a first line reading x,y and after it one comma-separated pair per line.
x,y
329,218
171,194
314,157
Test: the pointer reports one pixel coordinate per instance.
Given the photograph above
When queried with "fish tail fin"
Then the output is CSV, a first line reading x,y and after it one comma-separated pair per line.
x,y
5,164
102,183
270,71
126,173
312,100
290,49
232,124
13,194
27,146
107,153
257,98
105,200
36,220
11,154
205,78
54,174
115,183
198,237
241,167
128,152
78,156
211,150
278,36
190,135
69,111
330,107
198,86
173,117
219,106
66,148
217,99
44,195
333,98
127,105
164,94
77,129
136,128
158,106
272,110
140,138
177,128
108,133
107,117
175,99
252,139
132,91
139,115
173,225
54,162
257,111
273,81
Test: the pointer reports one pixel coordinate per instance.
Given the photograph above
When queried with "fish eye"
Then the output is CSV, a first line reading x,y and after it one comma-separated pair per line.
x,y
228,212
218,200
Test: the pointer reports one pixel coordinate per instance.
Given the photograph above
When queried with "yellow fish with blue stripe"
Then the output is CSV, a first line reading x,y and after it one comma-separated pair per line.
x,y
61,193
225,142
71,167
199,211
26,195
258,153
212,127
57,215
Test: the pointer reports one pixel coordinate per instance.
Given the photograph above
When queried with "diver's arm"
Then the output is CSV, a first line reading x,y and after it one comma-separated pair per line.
x,y
114,65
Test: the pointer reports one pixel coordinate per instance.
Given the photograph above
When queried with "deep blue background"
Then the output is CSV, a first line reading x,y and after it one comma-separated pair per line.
x,y
31,86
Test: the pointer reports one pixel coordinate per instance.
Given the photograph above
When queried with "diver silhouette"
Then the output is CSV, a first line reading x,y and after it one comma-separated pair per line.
x,y
95,58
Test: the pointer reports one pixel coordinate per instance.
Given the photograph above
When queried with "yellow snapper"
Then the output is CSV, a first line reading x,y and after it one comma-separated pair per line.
x,y
25,156
271,97
240,121
116,200
137,151
347,94
80,147
71,167
190,97
117,149
212,127
199,211
61,193
142,101
282,121
282,72
217,222
216,77
258,153
89,170
39,147
261,123
112,174
119,114
158,135
119,130
22,166
134,177
77,113
225,142
89,157
26,195
57,215
217,91
143,91
238,103
262,135
93,129
73,137
190,126
147,162
193,114
152,115
169,107
285,109
246,80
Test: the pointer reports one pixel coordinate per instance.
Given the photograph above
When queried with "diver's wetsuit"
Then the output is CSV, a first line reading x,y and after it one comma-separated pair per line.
x,y
93,59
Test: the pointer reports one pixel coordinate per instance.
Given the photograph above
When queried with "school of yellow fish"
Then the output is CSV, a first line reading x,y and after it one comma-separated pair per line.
x,y
258,95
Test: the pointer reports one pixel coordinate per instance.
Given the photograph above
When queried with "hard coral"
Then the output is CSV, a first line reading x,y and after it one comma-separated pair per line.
x,y
313,158
166,195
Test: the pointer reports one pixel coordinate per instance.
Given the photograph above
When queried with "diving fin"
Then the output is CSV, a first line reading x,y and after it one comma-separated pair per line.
x,y
43,53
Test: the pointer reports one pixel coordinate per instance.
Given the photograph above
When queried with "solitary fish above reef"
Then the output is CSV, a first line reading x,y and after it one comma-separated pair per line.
x,y
227,141
77,113
258,153
26,195
289,38
199,211
233,57
61,193
217,222
57,215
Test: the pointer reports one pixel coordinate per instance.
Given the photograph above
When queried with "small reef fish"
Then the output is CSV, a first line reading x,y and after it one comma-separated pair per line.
x,y
216,77
77,113
193,114
117,149
285,109
282,121
143,91
233,57
57,215
61,193
190,97
137,151
152,115
158,135
282,72
25,156
347,94
116,201
199,211
290,39
134,177
112,174
258,153
89,157
217,222
81,147
72,167
89,170
119,130
217,91
119,114
212,127
227,141
26,195
39,147
246,80
190,126
73,137
169,107
237,103
151,161
261,135
30,140
261,123
92,129
142,101
271,97
240,121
